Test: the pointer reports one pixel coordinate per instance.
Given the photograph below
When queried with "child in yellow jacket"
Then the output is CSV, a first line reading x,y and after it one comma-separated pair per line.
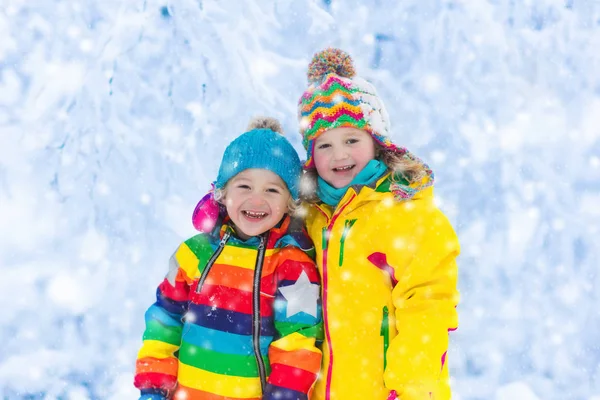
x,y
385,252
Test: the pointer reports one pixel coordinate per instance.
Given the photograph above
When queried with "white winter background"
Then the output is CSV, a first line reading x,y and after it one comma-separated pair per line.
x,y
114,115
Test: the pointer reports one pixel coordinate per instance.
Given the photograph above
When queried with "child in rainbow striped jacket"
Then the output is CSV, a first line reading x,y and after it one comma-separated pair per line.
x,y
238,313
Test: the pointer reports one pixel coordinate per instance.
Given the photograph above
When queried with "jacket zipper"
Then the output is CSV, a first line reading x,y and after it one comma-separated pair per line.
x,y
326,236
211,261
256,312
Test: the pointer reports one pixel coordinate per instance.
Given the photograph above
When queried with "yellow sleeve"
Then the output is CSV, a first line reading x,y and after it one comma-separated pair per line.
x,y
425,300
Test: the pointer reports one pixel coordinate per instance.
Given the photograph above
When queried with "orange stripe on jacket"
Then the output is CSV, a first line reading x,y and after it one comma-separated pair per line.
x,y
166,366
231,276
304,359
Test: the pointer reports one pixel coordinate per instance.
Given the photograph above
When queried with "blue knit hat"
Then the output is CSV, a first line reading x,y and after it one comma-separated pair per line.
x,y
264,147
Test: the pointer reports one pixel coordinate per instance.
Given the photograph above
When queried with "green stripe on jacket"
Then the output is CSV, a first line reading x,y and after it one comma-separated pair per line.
x,y
221,363
157,331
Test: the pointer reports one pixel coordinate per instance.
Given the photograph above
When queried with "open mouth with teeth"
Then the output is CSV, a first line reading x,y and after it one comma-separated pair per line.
x,y
345,168
255,215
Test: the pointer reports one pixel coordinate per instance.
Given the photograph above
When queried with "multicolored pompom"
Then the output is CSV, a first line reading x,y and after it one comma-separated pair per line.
x,y
329,61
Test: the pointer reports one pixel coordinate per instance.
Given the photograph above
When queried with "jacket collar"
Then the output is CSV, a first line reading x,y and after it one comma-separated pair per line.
x,y
400,188
288,232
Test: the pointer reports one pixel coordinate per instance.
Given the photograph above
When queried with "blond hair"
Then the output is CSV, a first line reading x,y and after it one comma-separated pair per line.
x,y
293,205
403,166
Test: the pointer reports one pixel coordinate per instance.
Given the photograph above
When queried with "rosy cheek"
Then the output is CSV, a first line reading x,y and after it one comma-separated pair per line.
x,y
320,162
365,155
228,202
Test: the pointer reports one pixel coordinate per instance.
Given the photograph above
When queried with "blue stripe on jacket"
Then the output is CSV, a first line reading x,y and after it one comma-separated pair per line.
x,y
223,342
227,320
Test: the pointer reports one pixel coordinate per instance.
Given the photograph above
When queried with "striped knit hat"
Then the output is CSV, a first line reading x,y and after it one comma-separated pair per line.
x,y
337,98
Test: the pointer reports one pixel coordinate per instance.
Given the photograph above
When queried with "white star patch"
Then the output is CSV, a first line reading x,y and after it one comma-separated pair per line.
x,y
302,296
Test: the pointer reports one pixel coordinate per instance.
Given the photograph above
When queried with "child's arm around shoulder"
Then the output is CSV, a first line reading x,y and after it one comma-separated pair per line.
x,y
423,251
156,365
295,359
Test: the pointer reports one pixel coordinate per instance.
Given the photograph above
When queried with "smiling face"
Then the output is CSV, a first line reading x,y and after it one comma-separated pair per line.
x,y
256,200
341,153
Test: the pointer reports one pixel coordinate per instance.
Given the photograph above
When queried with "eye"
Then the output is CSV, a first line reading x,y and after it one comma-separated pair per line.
x,y
352,141
323,146
273,190
243,186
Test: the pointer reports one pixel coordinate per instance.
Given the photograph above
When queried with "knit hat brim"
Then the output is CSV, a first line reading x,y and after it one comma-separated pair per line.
x,y
262,149
337,102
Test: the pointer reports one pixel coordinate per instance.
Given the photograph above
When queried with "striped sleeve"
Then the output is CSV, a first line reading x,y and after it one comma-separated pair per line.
x,y
295,360
156,364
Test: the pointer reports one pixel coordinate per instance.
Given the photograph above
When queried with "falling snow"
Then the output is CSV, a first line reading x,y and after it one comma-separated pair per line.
x,y
114,115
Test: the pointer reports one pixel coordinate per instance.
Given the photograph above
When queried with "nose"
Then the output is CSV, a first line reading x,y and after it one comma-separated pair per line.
x,y
339,153
256,199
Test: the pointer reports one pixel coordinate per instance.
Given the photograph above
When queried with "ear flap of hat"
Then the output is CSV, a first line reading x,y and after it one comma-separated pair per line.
x,y
207,213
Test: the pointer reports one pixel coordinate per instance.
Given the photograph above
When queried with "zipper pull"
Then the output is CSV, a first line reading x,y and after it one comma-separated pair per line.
x,y
261,245
224,239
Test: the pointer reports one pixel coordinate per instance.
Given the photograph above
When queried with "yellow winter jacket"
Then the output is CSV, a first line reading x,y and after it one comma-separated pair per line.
x,y
389,294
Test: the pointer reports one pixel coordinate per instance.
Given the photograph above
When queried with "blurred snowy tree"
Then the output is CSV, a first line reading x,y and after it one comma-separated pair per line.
x,y
114,116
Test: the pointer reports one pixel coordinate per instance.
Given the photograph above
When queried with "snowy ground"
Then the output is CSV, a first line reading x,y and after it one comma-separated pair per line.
x,y
114,115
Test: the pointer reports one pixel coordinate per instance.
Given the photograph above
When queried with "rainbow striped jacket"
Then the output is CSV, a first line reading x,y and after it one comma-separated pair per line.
x,y
234,320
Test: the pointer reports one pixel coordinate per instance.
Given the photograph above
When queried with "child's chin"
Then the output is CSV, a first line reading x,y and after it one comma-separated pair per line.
x,y
253,230
340,183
